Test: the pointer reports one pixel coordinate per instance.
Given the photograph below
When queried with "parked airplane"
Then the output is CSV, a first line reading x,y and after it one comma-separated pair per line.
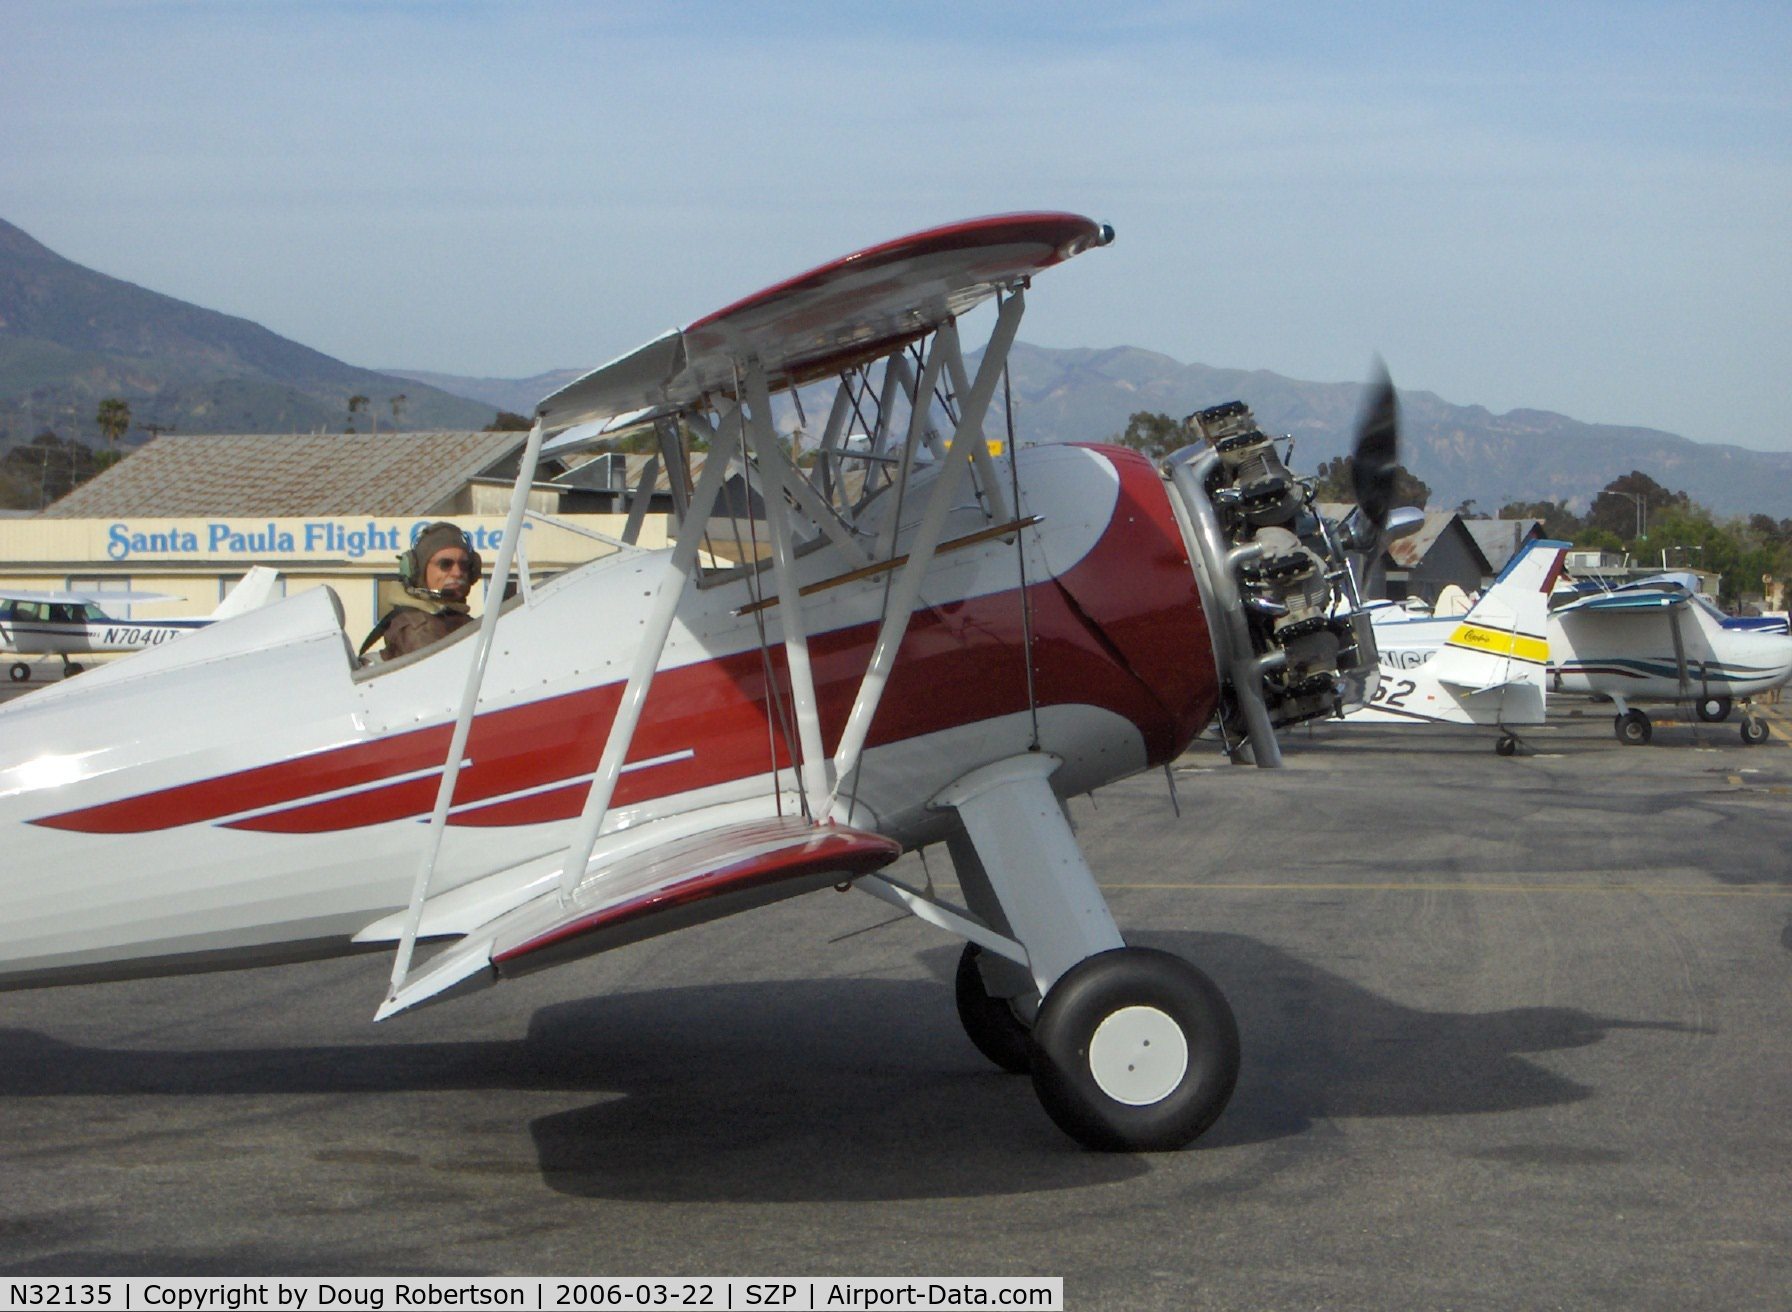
x,y
1658,641
938,645
1489,666
70,623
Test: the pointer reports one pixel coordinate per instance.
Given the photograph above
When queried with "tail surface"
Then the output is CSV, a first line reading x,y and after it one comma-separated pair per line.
x,y
254,590
1504,638
1493,667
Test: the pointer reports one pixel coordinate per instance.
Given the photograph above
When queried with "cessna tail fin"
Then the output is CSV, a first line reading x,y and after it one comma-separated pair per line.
x,y
1504,637
254,590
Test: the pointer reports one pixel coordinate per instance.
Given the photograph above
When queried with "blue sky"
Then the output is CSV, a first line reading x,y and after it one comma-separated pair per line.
x,y
1576,207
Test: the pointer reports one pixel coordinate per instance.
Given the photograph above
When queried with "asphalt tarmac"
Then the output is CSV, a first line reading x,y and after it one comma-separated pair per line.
x,y
1517,1033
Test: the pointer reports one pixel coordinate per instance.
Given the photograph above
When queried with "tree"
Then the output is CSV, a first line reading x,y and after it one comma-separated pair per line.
x,y
397,404
1559,522
1153,433
1624,505
1335,482
356,403
114,420
47,468
508,421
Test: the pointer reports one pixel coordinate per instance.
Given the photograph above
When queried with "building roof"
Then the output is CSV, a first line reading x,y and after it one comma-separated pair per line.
x,y
1410,551
285,474
1500,539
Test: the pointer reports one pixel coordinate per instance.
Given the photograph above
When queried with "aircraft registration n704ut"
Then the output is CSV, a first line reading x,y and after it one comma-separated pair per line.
x,y
71,623
916,641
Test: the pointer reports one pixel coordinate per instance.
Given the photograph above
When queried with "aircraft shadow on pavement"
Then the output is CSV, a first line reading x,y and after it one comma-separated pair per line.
x,y
1316,1046
865,1089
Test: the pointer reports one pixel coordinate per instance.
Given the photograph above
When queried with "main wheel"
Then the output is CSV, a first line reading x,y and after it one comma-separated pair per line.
x,y
1507,745
1134,1050
991,1022
1633,728
1754,730
1713,710
20,672
73,668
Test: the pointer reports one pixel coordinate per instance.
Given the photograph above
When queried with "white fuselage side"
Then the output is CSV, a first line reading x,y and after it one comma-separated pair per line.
x,y
250,794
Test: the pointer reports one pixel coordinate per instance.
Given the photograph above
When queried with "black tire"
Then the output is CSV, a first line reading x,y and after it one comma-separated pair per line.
x,y
1092,1067
20,672
1713,710
73,668
1633,729
990,1022
1754,730
1507,745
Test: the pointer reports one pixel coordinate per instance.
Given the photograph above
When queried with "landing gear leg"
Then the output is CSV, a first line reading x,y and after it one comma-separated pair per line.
x,y
1133,1049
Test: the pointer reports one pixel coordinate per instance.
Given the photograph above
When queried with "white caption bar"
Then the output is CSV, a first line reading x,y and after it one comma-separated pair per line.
x,y
539,1293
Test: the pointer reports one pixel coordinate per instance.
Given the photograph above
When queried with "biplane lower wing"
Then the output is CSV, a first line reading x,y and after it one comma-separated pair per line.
x,y
702,877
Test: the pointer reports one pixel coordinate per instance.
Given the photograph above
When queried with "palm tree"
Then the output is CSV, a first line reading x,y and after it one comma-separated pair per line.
x,y
114,418
356,402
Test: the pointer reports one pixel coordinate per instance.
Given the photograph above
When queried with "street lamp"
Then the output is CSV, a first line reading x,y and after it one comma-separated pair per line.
x,y
1642,509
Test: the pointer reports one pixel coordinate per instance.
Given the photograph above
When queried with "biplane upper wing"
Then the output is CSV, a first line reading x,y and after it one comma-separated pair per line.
x,y
704,876
855,308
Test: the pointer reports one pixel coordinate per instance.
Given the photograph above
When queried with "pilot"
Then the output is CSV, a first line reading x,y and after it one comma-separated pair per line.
x,y
438,572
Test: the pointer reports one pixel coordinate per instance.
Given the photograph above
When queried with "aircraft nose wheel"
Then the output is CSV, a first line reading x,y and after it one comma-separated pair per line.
x,y
20,672
1134,1050
991,1022
1507,745
1633,729
1754,730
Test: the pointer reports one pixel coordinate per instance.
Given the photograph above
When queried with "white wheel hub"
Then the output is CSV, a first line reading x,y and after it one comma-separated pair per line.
x,y
1138,1056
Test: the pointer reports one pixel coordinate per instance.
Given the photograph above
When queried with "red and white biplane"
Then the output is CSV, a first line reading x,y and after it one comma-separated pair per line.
x,y
923,641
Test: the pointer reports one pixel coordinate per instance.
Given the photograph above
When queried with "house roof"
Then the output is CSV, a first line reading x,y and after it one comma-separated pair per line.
x,y
1500,539
1410,551
288,475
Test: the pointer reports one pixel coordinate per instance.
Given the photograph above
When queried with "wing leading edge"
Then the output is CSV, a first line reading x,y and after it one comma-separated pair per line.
x,y
858,307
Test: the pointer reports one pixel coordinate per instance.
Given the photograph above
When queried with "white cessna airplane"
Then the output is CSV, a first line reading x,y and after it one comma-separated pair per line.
x,y
72,623
1488,666
937,646
1658,641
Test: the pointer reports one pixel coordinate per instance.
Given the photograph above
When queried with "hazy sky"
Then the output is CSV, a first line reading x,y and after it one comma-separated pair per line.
x,y
1578,207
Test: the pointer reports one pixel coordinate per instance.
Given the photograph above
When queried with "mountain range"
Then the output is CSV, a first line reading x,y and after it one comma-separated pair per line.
x,y
70,337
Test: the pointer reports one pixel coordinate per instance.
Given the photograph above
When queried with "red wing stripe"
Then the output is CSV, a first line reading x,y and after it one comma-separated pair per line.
x,y
848,851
